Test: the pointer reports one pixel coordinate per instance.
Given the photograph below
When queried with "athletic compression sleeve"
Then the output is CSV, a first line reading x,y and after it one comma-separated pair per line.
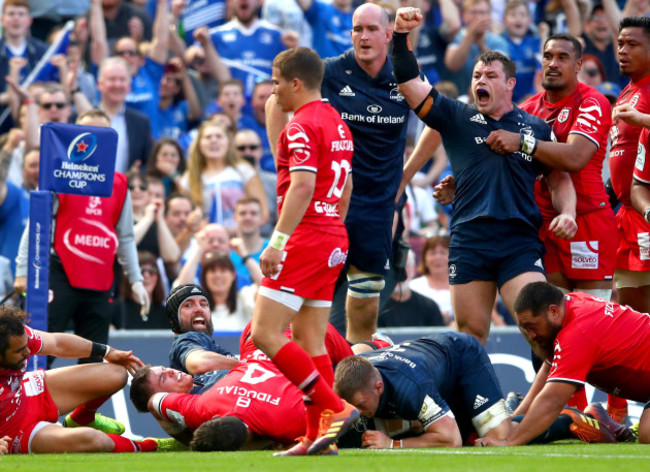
x,y
405,65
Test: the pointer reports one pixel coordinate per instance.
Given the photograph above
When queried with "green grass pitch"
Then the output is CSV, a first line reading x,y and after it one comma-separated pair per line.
x,y
559,457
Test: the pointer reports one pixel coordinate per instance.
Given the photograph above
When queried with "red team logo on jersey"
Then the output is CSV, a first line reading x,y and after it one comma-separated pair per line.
x,y
298,143
564,114
590,114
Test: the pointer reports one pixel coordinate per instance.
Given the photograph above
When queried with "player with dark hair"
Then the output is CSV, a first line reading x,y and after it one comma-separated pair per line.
x,y
494,240
309,244
580,117
225,433
632,273
446,383
194,350
254,391
31,402
569,332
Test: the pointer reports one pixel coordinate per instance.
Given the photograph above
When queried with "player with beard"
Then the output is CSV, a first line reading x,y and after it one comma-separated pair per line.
x,y
580,117
568,331
494,194
31,402
194,350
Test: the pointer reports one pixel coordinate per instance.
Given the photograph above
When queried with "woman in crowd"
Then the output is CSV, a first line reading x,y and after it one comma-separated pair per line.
x,y
231,309
127,309
434,283
216,178
151,231
592,71
167,162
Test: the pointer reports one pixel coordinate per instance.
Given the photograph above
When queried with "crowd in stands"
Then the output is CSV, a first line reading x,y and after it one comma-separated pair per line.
x,y
184,84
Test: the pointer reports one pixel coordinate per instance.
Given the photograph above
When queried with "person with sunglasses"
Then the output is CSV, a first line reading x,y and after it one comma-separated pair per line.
x,y
54,105
249,147
146,70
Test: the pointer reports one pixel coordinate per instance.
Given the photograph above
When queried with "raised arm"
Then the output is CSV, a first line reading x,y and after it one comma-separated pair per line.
x,y
305,5
218,69
573,19
98,42
450,19
160,40
405,65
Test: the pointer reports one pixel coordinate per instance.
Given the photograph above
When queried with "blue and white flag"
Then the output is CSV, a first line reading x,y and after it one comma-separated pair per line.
x,y
44,71
77,160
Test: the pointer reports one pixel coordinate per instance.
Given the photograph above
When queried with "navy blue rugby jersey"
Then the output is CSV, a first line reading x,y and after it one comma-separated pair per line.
x,y
488,184
191,341
419,373
377,114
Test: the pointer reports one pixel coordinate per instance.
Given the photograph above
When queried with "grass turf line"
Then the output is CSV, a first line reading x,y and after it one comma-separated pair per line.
x,y
574,457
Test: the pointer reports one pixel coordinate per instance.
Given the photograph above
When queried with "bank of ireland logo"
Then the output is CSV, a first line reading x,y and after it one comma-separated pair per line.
x,y
82,147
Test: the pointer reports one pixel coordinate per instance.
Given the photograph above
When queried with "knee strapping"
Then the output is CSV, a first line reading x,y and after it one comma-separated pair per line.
x,y
365,285
490,418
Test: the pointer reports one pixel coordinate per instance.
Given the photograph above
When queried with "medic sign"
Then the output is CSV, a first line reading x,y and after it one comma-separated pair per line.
x,y
78,160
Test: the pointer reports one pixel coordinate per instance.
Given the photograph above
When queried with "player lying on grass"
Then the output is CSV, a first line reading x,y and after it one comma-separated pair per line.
x,y
255,404
31,402
583,339
447,383
254,394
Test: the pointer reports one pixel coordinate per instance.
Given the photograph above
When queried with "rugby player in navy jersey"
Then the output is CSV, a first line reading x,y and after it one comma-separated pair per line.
x,y
446,385
360,86
194,350
494,240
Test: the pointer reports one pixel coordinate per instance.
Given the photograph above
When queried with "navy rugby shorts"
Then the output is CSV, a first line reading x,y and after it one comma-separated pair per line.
x,y
487,249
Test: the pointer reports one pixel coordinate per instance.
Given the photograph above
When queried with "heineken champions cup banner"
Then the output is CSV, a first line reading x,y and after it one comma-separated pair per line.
x,y
77,160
